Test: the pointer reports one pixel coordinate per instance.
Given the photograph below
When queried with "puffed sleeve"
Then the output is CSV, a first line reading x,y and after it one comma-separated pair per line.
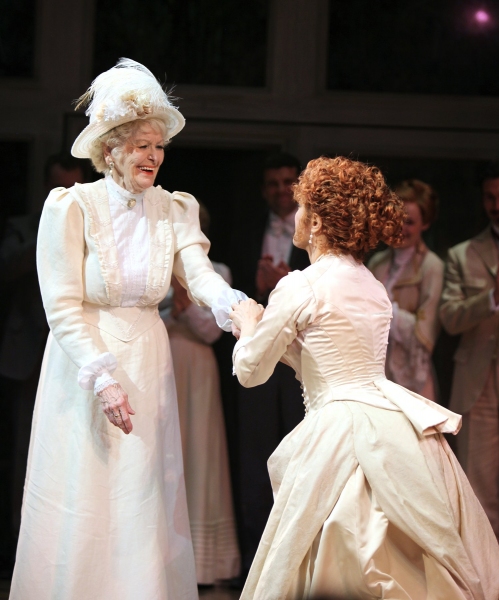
x,y
292,307
60,255
191,264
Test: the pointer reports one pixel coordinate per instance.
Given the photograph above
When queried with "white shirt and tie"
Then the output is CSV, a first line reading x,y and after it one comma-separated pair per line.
x,y
278,238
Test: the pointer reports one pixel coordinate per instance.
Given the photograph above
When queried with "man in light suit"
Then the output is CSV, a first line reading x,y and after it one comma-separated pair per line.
x,y
470,307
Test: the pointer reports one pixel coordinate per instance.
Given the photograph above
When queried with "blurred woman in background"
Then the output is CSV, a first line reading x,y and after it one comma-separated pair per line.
x,y
192,330
413,278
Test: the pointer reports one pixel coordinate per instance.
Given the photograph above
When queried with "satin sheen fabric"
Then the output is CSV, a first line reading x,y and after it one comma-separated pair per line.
x,y
369,498
105,514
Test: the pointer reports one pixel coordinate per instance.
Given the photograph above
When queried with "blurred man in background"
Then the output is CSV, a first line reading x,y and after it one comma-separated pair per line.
x,y
263,254
23,332
470,307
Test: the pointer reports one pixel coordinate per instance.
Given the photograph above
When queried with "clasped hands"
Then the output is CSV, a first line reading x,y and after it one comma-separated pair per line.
x,y
245,317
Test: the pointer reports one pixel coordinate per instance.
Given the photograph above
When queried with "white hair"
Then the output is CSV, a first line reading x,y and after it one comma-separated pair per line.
x,y
116,139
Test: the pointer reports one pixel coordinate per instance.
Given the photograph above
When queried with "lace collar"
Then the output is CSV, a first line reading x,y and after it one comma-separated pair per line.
x,y
123,196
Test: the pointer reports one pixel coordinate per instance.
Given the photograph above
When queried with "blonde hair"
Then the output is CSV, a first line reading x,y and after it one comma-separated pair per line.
x,y
117,138
422,194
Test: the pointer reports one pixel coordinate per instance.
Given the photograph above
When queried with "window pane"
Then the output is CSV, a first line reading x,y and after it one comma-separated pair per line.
x,y
212,42
17,38
414,46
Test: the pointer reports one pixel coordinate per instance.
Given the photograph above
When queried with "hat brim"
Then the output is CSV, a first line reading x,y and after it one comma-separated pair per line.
x,y
172,117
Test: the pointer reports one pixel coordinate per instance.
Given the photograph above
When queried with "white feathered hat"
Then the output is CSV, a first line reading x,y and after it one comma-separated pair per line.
x,y
125,93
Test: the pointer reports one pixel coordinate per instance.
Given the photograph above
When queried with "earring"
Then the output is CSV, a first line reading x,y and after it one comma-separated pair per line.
x,y
311,239
111,167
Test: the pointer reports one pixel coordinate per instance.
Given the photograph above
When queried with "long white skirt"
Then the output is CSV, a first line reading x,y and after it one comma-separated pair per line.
x,y
364,507
105,514
206,463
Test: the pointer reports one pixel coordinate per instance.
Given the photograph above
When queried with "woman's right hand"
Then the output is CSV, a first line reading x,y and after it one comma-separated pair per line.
x,y
245,316
114,401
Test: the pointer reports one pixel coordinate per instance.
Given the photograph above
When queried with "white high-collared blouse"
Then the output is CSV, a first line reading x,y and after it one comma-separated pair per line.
x,y
89,275
132,240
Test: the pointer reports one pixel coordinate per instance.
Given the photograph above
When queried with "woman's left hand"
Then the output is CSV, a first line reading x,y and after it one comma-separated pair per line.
x,y
116,407
246,315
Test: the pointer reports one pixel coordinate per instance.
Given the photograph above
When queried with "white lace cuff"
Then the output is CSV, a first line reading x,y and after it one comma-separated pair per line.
x,y
222,306
102,382
104,364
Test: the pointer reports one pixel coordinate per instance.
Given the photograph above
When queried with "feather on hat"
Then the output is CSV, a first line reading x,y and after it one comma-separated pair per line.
x,y
124,93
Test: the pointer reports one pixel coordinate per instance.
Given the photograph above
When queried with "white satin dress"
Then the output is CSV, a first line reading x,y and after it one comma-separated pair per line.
x,y
369,499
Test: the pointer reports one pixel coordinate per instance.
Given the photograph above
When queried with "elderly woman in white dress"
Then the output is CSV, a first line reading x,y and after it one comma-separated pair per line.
x,y
104,512
369,499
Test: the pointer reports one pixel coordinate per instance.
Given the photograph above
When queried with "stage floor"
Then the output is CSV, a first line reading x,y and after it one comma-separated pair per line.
x,y
217,593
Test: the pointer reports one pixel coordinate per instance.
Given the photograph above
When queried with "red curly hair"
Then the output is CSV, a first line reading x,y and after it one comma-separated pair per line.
x,y
357,208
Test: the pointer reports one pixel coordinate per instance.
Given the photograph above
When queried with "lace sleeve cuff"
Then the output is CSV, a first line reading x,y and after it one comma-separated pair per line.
x,y
222,306
102,382
97,372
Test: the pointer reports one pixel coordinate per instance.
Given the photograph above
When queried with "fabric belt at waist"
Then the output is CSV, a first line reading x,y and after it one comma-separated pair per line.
x,y
123,323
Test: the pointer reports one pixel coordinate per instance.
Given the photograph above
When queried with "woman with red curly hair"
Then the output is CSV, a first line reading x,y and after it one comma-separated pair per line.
x,y
413,277
369,499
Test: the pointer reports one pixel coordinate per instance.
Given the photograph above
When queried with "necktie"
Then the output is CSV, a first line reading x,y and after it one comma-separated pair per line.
x,y
280,227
